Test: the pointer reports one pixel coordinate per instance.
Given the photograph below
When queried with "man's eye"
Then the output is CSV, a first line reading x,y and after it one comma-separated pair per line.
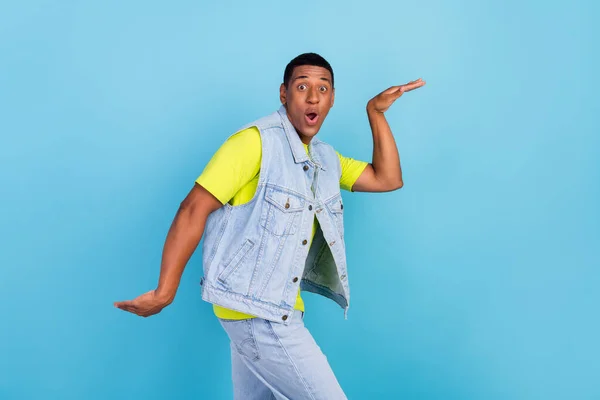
x,y
323,89
302,87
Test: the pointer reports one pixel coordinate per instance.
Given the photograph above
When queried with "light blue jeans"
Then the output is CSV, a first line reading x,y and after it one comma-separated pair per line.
x,y
275,361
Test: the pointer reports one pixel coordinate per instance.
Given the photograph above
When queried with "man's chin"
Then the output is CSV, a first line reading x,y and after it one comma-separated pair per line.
x,y
310,132
305,130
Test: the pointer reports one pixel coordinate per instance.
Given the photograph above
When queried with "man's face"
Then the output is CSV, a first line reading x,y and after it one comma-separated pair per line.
x,y
307,99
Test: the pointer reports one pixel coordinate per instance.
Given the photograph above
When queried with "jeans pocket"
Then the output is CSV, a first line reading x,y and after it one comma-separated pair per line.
x,y
241,333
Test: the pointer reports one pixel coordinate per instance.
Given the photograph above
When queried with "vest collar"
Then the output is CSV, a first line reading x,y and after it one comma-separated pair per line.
x,y
295,143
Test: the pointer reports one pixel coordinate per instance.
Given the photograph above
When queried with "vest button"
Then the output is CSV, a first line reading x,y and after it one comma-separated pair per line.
x,y
309,208
305,168
295,279
285,317
304,242
287,205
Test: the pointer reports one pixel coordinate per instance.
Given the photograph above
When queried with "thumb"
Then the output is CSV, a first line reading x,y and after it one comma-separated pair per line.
x,y
390,92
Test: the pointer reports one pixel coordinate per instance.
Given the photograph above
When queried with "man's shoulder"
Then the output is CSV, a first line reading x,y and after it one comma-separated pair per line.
x,y
323,146
243,144
246,135
327,153
266,122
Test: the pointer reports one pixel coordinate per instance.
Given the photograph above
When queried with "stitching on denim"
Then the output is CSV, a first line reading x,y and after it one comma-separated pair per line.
x,y
282,240
254,342
231,267
217,241
267,306
276,337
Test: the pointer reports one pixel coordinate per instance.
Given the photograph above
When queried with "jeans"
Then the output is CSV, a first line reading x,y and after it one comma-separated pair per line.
x,y
275,361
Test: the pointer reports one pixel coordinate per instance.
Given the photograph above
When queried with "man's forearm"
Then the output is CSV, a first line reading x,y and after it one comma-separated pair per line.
x,y
181,242
386,160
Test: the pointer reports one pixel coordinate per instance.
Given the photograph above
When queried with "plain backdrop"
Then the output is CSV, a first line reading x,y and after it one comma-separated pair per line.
x,y
477,280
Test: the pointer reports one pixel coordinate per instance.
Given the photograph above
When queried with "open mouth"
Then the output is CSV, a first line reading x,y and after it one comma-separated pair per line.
x,y
311,118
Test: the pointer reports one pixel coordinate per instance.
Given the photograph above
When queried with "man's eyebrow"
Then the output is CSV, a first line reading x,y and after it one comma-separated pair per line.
x,y
306,77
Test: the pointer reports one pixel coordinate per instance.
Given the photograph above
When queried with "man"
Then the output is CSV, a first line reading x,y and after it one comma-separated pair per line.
x,y
270,209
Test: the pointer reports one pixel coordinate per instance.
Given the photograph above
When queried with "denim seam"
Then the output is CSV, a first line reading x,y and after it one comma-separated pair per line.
x,y
276,337
288,230
287,190
259,257
254,341
271,307
282,240
218,241
251,340
232,267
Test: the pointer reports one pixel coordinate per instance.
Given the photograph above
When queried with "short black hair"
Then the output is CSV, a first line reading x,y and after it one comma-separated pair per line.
x,y
306,59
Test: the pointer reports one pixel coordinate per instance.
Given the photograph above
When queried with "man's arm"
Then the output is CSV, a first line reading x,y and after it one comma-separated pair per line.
x,y
181,242
384,173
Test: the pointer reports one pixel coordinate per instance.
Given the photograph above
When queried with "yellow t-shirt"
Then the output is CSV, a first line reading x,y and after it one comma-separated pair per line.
x,y
232,176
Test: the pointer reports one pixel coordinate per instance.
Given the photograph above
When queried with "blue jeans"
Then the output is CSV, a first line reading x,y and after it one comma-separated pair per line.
x,y
275,361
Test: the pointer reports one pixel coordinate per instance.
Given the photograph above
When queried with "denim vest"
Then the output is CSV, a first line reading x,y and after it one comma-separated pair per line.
x,y
256,255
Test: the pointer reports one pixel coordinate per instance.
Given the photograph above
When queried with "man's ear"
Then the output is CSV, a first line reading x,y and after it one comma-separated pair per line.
x,y
332,97
282,94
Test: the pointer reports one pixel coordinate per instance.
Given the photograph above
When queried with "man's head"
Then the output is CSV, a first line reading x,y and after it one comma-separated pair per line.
x,y
307,93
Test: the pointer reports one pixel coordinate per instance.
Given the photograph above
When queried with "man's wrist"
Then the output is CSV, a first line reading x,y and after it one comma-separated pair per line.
x,y
165,296
371,110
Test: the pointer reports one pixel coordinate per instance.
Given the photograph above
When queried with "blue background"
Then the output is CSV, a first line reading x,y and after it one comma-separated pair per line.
x,y
478,280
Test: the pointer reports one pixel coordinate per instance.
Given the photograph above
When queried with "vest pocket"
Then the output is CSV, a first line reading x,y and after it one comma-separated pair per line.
x,y
235,262
281,211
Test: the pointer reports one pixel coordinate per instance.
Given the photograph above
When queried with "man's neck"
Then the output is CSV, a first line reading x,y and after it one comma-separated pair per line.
x,y
305,139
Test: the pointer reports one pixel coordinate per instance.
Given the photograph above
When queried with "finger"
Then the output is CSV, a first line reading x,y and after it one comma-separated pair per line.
x,y
127,306
413,86
398,90
398,94
130,309
119,304
416,81
392,90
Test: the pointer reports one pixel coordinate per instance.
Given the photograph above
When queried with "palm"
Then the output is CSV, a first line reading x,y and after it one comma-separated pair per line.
x,y
383,101
144,305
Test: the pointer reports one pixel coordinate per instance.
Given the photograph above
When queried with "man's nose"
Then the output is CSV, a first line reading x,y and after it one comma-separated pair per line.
x,y
312,96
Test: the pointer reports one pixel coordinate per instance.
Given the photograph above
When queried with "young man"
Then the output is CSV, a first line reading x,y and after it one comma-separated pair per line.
x,y
270,209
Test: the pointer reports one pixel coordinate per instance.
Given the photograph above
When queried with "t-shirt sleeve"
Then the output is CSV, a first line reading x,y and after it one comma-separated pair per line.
x,y
234,164
351,171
